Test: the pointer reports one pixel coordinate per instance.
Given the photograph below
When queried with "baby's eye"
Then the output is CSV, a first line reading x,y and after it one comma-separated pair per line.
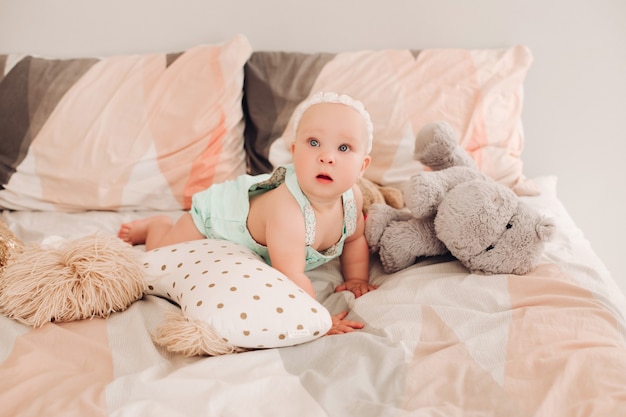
x,y
314,142
344,148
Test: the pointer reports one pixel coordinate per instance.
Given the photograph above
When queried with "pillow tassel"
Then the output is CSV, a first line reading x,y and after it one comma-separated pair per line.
x,y
188,337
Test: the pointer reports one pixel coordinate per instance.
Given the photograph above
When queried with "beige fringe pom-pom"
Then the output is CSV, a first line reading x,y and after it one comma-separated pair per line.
x,y
10,246
92,276
188,337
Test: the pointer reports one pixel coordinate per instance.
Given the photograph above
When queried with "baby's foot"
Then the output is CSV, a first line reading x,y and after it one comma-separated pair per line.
x,y
134,232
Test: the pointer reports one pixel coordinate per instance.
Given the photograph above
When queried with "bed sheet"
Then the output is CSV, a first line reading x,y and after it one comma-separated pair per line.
x,y
438,341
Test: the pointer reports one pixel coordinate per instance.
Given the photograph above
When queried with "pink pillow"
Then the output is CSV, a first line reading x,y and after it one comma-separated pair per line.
x,y
479,92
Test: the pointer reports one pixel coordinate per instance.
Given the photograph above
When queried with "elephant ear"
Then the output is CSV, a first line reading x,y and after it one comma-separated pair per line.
x,y
546,228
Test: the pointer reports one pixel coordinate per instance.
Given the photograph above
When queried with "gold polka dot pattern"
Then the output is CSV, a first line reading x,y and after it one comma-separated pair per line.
x,y
246,301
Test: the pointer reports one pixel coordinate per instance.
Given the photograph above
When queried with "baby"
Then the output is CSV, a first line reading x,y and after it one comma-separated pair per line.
x,y
299,217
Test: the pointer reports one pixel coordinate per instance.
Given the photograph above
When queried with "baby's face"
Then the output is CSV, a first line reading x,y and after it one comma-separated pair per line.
x,y
329,151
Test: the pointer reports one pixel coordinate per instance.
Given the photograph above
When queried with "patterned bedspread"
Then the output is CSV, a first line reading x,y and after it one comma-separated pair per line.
x,y
438,341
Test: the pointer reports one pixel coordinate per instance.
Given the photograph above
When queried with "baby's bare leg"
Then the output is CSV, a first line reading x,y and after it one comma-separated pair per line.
x,y
159,231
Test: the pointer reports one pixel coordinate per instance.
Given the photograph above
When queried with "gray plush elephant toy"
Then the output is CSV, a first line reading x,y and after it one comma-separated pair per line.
x,y
456,209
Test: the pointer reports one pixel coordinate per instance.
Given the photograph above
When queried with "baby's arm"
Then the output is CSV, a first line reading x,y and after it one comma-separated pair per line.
x,y
355,256
283,234
285,243
287,259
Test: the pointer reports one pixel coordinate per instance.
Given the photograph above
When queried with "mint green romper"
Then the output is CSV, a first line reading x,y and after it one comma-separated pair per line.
x,y
221,212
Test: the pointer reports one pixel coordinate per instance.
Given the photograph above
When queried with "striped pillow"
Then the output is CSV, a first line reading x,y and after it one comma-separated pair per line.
x,y
121,132
479,92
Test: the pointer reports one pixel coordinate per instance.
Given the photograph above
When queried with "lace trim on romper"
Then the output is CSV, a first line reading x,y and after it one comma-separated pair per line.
x,y
349,210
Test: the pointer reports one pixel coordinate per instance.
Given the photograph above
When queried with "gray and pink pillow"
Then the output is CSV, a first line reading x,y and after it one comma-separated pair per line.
x,y
121,132
479,92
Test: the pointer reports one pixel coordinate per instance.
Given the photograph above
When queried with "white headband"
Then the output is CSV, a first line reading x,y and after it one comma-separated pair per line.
x,y
331,97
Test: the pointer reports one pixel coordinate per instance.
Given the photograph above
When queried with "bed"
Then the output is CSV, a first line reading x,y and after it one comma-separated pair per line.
x,y
88,144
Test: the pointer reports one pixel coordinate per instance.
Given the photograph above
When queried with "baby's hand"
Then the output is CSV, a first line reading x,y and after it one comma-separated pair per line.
x,y
341,326
356,286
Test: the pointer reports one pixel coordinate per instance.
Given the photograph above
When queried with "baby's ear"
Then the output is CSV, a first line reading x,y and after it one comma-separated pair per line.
x,y
366,163
545,229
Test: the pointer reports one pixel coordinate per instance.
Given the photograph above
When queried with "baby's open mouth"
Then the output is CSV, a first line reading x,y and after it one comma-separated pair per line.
x,y
324,177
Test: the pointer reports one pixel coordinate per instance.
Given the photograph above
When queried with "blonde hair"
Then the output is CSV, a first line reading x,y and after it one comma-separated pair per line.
x,y
332,97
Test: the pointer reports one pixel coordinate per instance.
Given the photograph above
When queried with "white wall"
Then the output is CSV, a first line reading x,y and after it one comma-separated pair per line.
x,y
575,106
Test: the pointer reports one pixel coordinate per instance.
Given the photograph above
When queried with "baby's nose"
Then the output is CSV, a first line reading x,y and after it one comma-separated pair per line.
x,y
327,158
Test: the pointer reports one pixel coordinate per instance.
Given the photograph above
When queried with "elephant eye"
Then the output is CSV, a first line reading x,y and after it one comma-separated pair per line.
x,y
509,225
490,247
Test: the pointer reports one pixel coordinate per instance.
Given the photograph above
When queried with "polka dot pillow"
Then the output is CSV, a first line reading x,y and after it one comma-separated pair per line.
x,y
247,303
